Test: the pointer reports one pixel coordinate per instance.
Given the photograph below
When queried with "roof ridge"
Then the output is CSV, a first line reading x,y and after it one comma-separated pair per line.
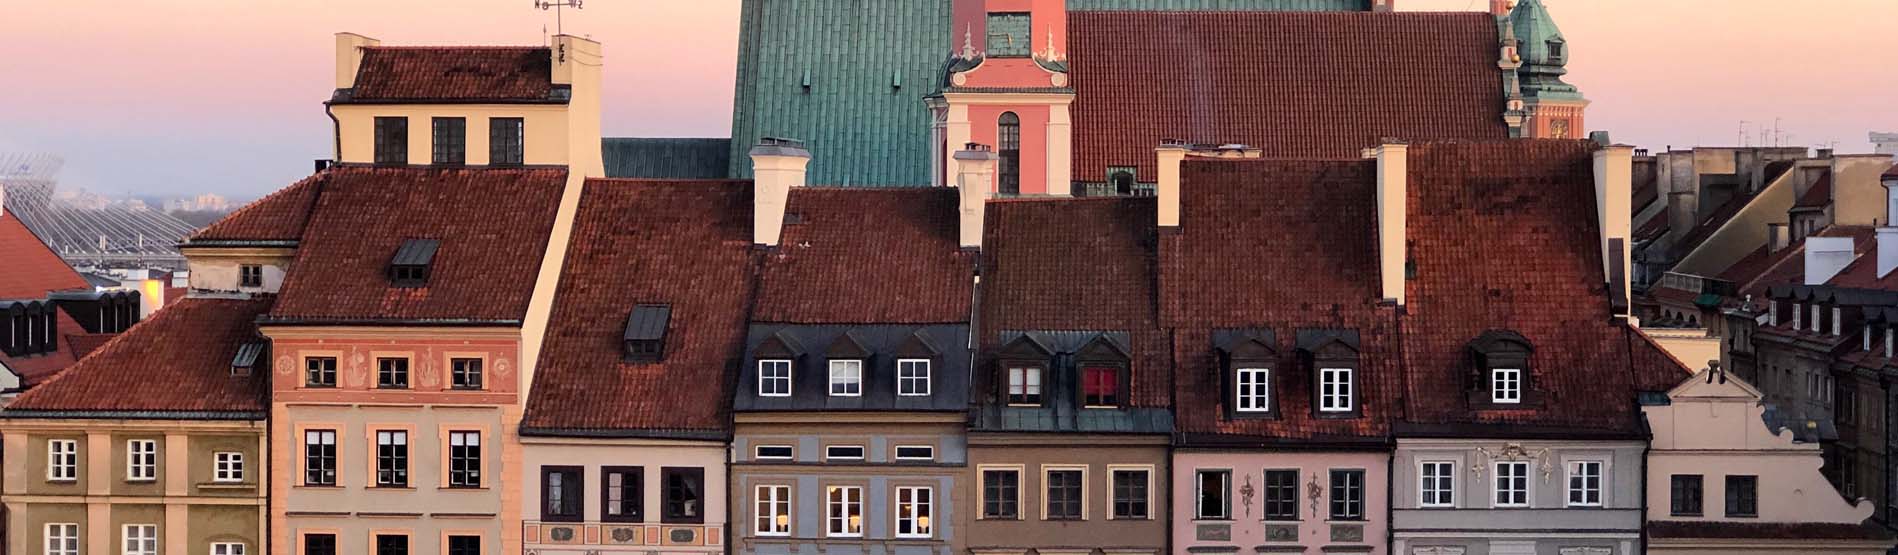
x,y
455,47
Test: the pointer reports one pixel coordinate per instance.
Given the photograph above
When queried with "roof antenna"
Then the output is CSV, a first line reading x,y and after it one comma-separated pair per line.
x,y
556,6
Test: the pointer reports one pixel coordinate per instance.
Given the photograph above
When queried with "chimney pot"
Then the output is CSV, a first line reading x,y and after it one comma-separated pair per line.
x,y
777,165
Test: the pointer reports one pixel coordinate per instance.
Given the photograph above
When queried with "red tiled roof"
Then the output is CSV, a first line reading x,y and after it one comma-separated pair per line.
x,y
1298,85
37,368
1862,273
1819,195
1891,173
187,347
1282,245
1760,270
867,256
454,73
686,244
1670,529
493,225
32,268
85,343
1503,236
1076,265
278,216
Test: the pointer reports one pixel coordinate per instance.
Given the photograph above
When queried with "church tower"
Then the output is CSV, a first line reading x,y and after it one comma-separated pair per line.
x,y
1006,85
1549,107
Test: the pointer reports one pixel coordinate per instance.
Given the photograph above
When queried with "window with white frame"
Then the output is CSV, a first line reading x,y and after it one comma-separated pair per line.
x,y
227,548
1024,385
915,452
912,377
843,452
846,378
1512,484
1505,385
913,512
141,539
1584,483
141,460
1334,390
62,539
62,459
229,467
1436,484
773,510
1252,391
844,512
774,378
773,453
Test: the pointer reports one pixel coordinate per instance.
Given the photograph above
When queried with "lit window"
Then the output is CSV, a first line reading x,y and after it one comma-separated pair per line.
x,y
1584,483
846,378
1437,484
1334,390
912,377
774,378
1024,385
62,459
844,517
1253,390
1505,385
913,512
141,460
773,508
1512,484
229,467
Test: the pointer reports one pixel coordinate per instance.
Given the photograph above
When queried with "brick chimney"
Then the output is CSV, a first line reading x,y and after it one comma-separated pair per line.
x,y
975,163
1167,185
1614,191
349,57
1393,196
777,165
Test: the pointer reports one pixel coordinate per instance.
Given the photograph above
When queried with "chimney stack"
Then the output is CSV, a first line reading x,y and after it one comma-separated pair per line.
x,y
1167,186
975,163
1393,196
1614,191
777,165
349,57
1776,238
1825,257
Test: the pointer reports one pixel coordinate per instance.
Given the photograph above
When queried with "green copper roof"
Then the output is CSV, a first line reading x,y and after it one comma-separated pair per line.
x,y
849,76
1544,52
665,158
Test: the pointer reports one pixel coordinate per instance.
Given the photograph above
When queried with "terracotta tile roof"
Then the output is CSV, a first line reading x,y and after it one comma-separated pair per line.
x,y
1503,236
686,244
1819,195
37,368
454,74
1891,173
1862,273
867,256
1076,265
188,347
1670,529
1286,246
32,268
493,225
85,343
1756,272
279,216
1298,85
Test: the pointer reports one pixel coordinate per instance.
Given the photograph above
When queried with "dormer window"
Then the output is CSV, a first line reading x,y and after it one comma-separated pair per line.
x,y
915,365
1103,364
248,356
776,359
250,275
645,339
1247,358
1332,356
1100,387
1024,385
846,356
1336,390
1502,375
411,265
1252,390
1557,49
1023,366
1505,385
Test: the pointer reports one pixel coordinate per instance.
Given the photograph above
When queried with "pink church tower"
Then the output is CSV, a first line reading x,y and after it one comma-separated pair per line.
x,y
1007,86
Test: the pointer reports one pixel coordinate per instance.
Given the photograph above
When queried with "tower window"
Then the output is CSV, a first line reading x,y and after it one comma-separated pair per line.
x,y
1008,139
1556,50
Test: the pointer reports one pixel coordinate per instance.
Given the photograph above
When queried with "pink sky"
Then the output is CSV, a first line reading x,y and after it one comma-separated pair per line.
x,y
160,96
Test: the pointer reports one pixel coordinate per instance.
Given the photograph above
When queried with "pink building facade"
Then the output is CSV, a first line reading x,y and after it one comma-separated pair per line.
x,y
1279,502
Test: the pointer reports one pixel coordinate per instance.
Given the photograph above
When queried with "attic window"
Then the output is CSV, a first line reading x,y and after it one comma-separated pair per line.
x,y
411,265
1103,368
249,354
1502,375
645,339
1247,358
1332,357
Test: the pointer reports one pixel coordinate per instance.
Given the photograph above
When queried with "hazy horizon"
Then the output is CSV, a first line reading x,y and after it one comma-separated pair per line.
x,y
144,97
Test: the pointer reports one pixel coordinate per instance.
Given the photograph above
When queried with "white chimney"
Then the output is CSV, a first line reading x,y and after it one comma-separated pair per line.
x,y
777,165
975,163
1393,196
1167,186
1825,257
1614,191
349,57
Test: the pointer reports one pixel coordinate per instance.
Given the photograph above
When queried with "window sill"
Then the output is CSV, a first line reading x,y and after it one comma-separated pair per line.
x,y
62,480
227,485
1000,518
1213,520
391,488
462,488
623,521
1132,518
317,486
141,480
1064,519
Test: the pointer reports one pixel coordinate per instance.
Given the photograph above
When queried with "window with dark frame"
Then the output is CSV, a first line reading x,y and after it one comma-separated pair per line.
x,y
1743,496
507,141
250,275
319,544
1684,497
561,493
392,459
464,545
392,373
319,372
1008,154
451,140
683,495
465,373
1001,494
392,140
621,493
1213,487
1064,494
1347,495
464,459
392,544
1281,495
1130,493
1100,386
319,458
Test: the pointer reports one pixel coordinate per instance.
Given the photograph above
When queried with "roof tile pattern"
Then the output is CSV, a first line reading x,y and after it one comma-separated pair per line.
x,y
493,225
1298,85
278,216
686,244
867,256
188,347
454,73
37,368
32,269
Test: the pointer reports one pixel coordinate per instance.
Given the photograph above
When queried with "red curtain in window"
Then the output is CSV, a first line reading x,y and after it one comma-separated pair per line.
x,y
1100,383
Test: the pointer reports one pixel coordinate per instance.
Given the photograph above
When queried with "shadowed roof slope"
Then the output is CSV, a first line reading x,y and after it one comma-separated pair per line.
x,y
685,244
867,256
493,225
31,269
454,73
1298,85
278,216
177,361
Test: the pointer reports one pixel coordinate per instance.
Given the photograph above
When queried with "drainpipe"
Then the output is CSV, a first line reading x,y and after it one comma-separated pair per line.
x,y
1390,500
336,133
1884,385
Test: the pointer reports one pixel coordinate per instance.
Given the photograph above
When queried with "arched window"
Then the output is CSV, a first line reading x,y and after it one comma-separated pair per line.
x,y
1008,147
1122,181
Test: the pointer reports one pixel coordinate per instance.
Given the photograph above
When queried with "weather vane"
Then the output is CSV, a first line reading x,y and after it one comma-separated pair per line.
x,y
556,6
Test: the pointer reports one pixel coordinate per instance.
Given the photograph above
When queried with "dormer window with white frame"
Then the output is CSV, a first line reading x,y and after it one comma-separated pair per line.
x,y
1501,376
1505,385
1332,357
915,366
1247,359
774,378
1252,390
846,360
1336,389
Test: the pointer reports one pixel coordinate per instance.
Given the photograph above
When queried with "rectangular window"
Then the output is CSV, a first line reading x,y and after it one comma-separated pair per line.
x,y
773,511
319,458
1347,495
451,141
250,275
1213,503
774,452
464,545
684,494
141,460
1064,494
62,539
62,459
1684,494
141,539
1512,484
1281,495
1252,390
392,544
392,140
229,467
1334,390
507,141
915,452
392,373
1743,496
912,377
913,512
465,373
319,544
621,493
1130,494
1505,385
1437,484
464,459
1100,386
1584,483
1024,385
392,459
843,453
774,378
844,512
846,378
319,372
1001,494
561,493
227,548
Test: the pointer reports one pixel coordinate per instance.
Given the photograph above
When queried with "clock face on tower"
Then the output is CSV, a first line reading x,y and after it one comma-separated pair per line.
x,y
1558,128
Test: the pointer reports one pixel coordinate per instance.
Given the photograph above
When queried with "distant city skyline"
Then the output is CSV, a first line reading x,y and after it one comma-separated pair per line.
x,y
145,98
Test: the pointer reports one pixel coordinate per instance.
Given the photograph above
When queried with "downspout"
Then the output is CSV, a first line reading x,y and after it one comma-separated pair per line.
x,y
1884,385
336,133
1647,443
1390,470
